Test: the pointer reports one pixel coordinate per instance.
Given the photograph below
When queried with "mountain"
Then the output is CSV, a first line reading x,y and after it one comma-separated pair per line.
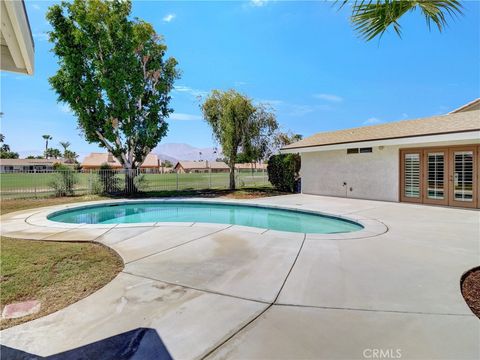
x,y
174,152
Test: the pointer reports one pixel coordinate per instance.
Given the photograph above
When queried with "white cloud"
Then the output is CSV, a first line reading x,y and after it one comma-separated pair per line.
x,y
65,108
185,117
258,3
299,110
404,115
169,17
328,97
36,6
40,36
191,91
372,121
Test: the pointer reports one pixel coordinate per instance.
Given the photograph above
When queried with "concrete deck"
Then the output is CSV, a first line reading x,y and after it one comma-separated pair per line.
x,y
221,291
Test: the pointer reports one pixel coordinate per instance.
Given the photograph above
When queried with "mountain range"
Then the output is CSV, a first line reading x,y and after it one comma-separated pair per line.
x,y
174,152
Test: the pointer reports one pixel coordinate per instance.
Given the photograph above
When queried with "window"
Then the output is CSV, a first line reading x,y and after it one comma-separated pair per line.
x,y
359,150
412,176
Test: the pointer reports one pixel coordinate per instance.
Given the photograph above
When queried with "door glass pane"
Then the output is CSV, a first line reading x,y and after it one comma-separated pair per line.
x,y
412,176
435,175
463,175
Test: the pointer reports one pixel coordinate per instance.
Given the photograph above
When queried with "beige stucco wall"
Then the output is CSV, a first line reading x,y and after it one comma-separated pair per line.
x,y
372,176
368,176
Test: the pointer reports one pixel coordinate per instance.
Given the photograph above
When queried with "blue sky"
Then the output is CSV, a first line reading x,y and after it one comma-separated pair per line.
x,y
302,57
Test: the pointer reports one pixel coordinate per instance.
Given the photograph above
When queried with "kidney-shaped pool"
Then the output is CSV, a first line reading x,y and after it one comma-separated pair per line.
x,y
206,212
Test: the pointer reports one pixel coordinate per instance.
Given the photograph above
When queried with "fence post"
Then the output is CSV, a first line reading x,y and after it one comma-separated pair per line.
x,y
35,190
210,178
177,179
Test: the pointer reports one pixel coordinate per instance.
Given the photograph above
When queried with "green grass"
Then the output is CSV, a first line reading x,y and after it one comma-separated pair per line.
x,y
56,274
38,184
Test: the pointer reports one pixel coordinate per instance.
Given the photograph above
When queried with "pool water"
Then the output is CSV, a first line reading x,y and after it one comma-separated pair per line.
x,y
260,217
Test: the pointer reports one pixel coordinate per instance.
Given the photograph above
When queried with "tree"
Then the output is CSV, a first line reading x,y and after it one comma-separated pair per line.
x,y
282,139
371,18
114,76
238,125
46,138
70,156
283,171
65,145
8,155
167,163
53,153
5,152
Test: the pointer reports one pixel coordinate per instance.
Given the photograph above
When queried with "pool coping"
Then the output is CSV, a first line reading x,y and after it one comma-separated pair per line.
x,y
37,218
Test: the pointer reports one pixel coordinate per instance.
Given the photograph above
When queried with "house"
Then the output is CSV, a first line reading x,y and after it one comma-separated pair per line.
x,y
201,167
16,41
94,161
433,160
29,165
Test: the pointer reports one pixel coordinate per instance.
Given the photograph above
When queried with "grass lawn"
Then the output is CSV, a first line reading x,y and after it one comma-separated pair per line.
x,y
39,184
60,273
56,274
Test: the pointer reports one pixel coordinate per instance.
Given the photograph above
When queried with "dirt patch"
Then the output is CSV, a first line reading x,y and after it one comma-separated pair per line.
x,y
471,290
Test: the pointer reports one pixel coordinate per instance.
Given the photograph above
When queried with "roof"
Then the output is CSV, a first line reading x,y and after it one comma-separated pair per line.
x,y
192,165
463,121
30,162
472,105
95,160
16,41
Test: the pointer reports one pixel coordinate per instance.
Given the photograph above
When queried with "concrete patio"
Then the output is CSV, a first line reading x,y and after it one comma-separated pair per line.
x,y
222,291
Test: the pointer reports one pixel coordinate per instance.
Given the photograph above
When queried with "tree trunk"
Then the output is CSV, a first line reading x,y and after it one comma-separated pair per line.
x,y
130,188
232,176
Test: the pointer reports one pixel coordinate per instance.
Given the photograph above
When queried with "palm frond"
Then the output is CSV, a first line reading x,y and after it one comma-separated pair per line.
x,y
373,18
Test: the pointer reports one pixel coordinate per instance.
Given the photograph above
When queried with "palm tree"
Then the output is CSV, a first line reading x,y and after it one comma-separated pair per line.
x,y
65,145
371,18
46,138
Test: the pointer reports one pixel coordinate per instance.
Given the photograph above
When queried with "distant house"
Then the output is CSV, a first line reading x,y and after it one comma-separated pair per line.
x,y
433,160
201,166
33,165
95,160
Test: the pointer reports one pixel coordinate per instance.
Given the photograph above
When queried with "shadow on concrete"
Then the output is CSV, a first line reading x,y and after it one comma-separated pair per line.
x,y
138,344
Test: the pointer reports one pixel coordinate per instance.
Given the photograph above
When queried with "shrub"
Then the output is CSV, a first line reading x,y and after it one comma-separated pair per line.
x,y
140,182
64,181
283,171
108,181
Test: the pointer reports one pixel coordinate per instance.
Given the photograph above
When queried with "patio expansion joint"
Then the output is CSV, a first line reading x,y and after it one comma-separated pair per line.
x,y
222,343
198,289
373,310
173,247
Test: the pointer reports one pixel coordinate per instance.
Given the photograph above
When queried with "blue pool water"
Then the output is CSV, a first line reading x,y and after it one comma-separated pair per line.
x,y
261,217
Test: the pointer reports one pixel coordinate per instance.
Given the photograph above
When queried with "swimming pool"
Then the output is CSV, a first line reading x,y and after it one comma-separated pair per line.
x,y
206,212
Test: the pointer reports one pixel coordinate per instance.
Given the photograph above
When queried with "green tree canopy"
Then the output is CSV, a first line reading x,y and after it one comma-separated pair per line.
x,y
5,152
53,153
114,76
238,125
371,18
